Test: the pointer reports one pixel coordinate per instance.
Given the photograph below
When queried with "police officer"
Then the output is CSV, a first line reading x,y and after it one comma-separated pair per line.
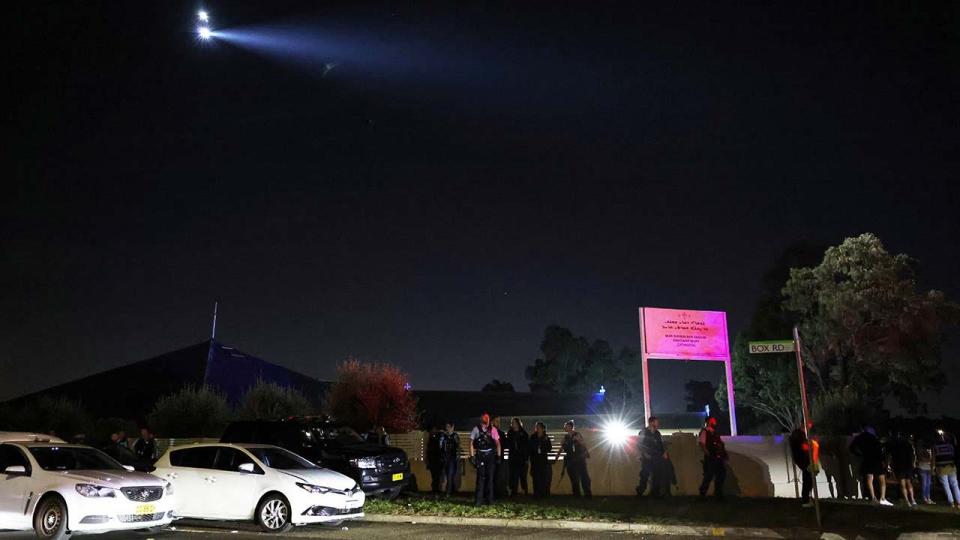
x,y
435,460
714,459
653,459
576,460
540,469
518,445
450,456
484,450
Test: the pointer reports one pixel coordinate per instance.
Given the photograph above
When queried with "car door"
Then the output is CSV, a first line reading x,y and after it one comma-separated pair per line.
x,y
189,468
15,488
236,489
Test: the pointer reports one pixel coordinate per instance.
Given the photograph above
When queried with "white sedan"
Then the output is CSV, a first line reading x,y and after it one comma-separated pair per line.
x,y
267,484
57,489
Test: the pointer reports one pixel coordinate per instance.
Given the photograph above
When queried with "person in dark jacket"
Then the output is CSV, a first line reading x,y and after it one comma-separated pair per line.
x,y
903,461
866,445
540,468
575,460
714,459
435,461
653,457
800,450
518,449
450,456
145,448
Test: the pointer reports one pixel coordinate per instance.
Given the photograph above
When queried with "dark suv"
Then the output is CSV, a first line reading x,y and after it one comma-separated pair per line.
x,y
381,471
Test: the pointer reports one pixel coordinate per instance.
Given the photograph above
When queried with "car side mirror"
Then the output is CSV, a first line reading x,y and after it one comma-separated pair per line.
x,y
246,467
129,468
15,469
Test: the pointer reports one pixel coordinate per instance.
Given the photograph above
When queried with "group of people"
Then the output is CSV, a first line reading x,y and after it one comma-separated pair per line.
x,y
143,451
656,470
527,454
907,459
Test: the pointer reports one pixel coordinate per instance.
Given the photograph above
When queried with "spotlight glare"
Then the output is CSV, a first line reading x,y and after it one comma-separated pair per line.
x,y
616,433
204,32
203,16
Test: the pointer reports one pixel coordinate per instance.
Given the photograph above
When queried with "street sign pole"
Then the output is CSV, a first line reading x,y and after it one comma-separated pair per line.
x,y
806,419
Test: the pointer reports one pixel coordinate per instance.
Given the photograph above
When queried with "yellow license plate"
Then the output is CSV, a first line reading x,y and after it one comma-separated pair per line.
x,y
146,509
398,476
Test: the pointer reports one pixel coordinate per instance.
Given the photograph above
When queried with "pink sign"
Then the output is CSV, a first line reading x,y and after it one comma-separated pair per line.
x,y
684,333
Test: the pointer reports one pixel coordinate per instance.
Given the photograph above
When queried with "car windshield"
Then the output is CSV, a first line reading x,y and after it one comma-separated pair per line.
x,y
339,434
65,458
278,458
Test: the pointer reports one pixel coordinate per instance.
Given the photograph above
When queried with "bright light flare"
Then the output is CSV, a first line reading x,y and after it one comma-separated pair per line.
x,y
203,16
204,32
616,433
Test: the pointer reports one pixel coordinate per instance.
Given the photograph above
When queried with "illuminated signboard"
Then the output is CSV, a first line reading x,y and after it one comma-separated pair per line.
x,y
685,333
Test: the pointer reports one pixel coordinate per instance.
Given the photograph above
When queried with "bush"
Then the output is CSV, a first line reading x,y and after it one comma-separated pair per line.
x,y
367,395
62,417
267,400
104,427
191,412
840,412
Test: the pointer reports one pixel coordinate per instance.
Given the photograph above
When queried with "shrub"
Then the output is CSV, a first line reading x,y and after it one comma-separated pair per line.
x,y
191,412
270,400
840,412
62,417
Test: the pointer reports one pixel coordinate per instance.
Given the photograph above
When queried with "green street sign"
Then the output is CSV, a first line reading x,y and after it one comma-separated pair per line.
x,y
775,346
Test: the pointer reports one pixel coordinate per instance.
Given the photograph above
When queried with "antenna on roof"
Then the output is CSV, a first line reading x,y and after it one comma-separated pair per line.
x,y
213,331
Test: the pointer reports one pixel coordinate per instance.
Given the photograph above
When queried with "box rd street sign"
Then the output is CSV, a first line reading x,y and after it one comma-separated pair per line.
x,y
778,346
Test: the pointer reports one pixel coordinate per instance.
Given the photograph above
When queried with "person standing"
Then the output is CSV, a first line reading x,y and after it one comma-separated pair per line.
x,y
868,448
450,456
575,461
800,450
925,468
145,448
484,449
502,475
653,458
903,460
435,460
945,456
714,459
122,441
540,469
518,448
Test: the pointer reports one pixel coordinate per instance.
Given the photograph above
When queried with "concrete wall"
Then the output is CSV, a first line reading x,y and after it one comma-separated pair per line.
x,y
759,467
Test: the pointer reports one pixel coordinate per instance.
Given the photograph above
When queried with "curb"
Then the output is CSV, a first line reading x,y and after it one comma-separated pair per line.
x,y
573,525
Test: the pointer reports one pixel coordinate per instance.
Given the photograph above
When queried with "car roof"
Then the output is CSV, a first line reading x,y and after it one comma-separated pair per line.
x,y
28,437
215,444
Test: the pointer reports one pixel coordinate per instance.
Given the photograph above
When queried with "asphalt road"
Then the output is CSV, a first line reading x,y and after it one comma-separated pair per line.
x,y
366,530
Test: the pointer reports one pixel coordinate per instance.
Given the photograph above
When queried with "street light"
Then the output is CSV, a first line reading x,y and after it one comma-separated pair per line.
x,y
204,32
203,16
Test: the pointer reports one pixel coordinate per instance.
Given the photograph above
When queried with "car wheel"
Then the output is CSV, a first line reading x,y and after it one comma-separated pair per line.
x,y
273,513
391,495
50,519
332,523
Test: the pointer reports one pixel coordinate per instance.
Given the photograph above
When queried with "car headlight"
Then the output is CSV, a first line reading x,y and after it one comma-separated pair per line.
x,y
364,463
91,490
312,488
169,488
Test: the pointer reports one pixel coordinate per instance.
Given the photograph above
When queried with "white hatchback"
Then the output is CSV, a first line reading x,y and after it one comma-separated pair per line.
x,y
57,489
267,484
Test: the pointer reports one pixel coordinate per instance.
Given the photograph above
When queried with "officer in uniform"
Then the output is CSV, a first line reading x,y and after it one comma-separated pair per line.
x,y
450,457
714,459
653,459
540,469
575,461
484,451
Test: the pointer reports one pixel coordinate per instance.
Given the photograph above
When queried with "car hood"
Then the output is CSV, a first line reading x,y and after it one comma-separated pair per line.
x,y
350,451
321,477
114,479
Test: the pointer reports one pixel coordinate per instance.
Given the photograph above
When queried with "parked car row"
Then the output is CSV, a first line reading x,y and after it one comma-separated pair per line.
x,y
56,488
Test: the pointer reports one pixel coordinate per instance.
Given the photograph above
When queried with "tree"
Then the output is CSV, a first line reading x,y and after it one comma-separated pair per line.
x,y
767,385
700,394
366,395
267,400
573,364
865,326
497,385
191,412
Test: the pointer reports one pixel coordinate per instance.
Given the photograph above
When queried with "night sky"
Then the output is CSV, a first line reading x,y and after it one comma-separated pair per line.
x,y
465,174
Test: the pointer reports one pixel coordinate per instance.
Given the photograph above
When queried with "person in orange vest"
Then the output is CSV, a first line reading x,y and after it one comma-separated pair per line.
x,y
800,449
